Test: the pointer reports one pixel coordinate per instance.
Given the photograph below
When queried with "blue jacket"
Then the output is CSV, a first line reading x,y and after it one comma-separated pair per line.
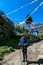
x,y
22,41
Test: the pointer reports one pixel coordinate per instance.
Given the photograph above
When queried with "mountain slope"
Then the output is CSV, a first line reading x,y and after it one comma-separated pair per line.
x,y
33,25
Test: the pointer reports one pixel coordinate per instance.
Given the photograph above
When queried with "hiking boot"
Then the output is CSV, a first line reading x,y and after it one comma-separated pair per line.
x,y
23,60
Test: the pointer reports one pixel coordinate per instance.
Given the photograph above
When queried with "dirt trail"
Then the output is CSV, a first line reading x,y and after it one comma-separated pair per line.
x,y
35,56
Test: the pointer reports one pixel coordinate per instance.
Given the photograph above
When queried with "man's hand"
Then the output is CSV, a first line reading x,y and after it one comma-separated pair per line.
x,y
19,44
25,44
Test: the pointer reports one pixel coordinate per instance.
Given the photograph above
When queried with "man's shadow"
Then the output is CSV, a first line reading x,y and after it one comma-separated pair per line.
x,y
40,61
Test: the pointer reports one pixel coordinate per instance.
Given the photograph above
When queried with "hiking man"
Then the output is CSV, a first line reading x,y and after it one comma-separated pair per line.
x,y
23,43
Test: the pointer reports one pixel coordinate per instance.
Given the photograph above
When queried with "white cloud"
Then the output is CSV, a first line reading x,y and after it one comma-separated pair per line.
x,y
12,11
21,7
41,3
21,23
35,10
33,1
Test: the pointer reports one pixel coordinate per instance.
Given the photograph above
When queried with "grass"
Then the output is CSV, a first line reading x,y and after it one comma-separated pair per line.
x,y
5,50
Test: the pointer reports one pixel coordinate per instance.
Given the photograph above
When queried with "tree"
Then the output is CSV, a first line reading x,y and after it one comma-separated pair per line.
x,y
37,32
28,20
41,32
6,25
17,27
42,28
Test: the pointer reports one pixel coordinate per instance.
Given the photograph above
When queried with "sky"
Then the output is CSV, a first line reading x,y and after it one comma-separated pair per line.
x,y
17,10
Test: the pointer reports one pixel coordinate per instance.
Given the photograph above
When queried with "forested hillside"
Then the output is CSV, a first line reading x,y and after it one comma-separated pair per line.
x,y
6,26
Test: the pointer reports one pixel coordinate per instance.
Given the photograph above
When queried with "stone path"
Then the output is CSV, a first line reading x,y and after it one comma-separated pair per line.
x,y
13,59
35,56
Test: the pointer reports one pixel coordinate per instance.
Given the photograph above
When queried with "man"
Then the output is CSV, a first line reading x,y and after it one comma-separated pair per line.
x,y
23,43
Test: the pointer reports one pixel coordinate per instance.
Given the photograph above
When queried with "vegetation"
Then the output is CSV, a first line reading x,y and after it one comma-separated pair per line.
x,y
4,50
6,26
8,45
41,32
28,20
11,33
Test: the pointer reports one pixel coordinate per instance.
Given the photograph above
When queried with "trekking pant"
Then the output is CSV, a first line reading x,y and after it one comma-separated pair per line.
x,y
24,50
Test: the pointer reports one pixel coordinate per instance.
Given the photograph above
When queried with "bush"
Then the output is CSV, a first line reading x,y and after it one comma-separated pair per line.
x,y
9,42
5,49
